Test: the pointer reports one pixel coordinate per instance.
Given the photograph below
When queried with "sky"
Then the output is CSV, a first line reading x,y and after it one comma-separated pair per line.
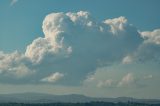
x,y
106,48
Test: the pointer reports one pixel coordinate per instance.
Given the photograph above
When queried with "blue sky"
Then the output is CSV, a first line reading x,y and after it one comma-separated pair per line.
x,y
104,48
25,17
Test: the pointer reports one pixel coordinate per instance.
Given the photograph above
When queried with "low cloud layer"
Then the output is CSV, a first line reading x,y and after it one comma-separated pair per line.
x,y
75,45
127,80
108,79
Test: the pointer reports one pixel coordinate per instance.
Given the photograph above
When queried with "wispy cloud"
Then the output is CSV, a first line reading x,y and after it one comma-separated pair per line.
x,y
148,76
13,2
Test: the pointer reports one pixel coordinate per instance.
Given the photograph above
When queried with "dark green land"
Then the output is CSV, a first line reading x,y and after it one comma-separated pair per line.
x,y
79,104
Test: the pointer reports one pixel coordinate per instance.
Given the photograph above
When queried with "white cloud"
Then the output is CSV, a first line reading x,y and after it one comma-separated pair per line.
x,y
39,48
13,2
20,71
106,83
89,78
54,25
10,64
126,60
148,50
152,36
117,24
79,40
106,78
53,77
148,77
15,68
76,44
94,81
127,80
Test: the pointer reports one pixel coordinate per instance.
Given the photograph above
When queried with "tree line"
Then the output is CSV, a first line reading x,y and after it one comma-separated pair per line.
x,y
79,104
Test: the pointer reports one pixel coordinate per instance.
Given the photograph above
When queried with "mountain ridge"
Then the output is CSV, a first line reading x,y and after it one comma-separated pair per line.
x,y
29,97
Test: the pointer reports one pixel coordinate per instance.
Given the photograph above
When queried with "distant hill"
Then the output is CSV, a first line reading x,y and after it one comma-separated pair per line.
x,y
73,98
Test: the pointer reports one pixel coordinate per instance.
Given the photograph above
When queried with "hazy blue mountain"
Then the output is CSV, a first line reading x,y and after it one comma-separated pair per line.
x,y
73,98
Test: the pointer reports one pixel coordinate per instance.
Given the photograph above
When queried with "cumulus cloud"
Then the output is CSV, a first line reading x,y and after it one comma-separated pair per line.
x,y
89,78
92,80
117,24
116,81
15,68
148,50
14,64
127,80
43,47
106,83
151,36
74,44
53,77
127,60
